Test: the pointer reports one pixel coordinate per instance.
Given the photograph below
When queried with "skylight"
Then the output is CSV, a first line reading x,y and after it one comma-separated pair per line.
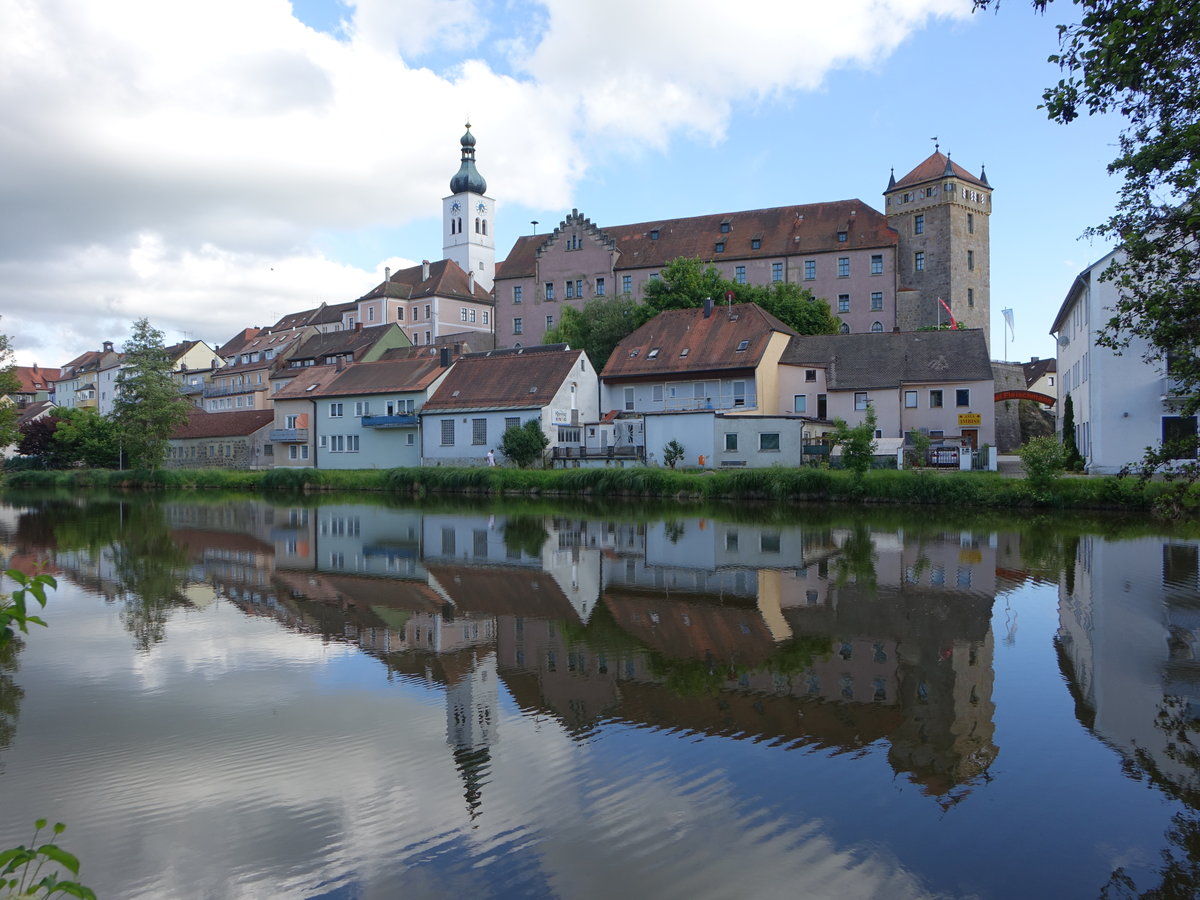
x,y
653,354
742,346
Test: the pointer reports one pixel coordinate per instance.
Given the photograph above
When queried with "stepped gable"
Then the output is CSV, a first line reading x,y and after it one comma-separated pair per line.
x,y
689,342
936,167
517,378
201,424
869,360
778,231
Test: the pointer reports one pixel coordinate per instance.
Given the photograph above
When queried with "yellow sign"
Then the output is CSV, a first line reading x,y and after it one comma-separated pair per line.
x,y
969,419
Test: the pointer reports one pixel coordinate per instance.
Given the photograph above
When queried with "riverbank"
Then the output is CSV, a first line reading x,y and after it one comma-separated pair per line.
x,y
921,487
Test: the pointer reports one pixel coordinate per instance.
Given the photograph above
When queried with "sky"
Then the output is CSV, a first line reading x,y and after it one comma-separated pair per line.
x,y
215,166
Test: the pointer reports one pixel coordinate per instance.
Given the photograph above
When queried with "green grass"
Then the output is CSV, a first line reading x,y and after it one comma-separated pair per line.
x,y
787,485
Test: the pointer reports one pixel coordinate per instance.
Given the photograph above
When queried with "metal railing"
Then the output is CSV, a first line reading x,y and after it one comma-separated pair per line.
x,y
402,421
288,435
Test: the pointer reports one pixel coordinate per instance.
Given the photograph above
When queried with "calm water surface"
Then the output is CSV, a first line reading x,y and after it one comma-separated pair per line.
x,y
248,699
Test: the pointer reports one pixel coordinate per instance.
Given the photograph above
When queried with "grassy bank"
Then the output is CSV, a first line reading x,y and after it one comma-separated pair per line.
x,y
966,489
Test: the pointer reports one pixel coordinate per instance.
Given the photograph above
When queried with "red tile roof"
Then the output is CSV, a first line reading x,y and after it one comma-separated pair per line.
x,y
201,424
446,279
934,169
379,377
780,231
689,343
34,379
520,378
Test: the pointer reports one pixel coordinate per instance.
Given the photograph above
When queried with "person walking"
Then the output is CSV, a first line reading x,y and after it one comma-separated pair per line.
x,y
491,458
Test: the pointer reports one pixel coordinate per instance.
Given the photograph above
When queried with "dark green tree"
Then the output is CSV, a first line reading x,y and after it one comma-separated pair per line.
x,y
857,442
1141,60
1072,458
524,443
82,437
8,385
598,327
792,305
684,284
149,406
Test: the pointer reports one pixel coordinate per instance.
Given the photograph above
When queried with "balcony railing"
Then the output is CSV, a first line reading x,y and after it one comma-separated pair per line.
x,y
289,435
215,390
405,421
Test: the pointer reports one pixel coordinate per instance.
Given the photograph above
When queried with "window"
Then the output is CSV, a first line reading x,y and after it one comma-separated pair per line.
x,y
719,247
337,443
756,243
549,322
841,236
810,375
335,410
768,441
777,271
919,260
844,329
518,325
962,397
628,398
518,293
427,315
910,399
447,432
731,442
739,274
298,451
656,393
362,407
970,223
512,422
352,443
549,290
462,314
918,224
861,400
843,303
876,327
810,269
1179,436
427,340
486,317
578,287
877,300
800,403
290,421
971,260
399,313
479,431
741,347
627,284
877,264
570,290
599,287
654,276
724,228
843,267
654,234
970,296
739,393
935,399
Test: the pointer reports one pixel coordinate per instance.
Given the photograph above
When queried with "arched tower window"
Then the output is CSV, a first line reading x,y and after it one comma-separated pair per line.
x,y
477,225
876,327
485,226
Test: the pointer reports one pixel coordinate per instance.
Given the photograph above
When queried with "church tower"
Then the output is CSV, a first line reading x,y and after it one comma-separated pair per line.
x,y
468,216
942,212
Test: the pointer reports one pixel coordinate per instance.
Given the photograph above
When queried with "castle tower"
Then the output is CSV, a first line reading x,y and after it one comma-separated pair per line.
x,y
942,212
468,216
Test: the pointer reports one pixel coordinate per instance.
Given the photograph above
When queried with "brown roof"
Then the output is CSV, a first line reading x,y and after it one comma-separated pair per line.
x,y
201,424
780,231
503,590
352,340
689,342
238,342
519,378
1036,368
934,169
34,379
379,377
324,314
446,279
35,411
305,381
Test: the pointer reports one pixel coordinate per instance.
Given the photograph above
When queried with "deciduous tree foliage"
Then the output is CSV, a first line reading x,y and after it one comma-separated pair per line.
x,y
149,406
8,385
524,443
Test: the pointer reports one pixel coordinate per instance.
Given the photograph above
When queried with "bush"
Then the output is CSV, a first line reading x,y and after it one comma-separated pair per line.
x,y
1044,460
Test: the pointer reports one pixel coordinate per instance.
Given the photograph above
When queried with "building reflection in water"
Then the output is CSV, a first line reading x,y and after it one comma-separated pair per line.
x,y
830,637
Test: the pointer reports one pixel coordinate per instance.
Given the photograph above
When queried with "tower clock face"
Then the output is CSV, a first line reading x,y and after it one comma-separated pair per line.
x,y
482,207
455,207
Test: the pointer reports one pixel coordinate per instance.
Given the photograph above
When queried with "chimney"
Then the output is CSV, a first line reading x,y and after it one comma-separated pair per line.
x,y
1031,359
444,358
471,282
387,274
424,270
707,307
338,366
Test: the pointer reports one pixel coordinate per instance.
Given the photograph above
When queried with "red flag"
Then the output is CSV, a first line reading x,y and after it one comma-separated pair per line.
x,y
953,323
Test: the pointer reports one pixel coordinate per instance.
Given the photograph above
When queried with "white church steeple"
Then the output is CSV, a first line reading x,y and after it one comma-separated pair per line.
x,y
468,216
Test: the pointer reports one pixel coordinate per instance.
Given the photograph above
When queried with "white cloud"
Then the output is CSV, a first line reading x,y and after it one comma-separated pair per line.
x,y
163,159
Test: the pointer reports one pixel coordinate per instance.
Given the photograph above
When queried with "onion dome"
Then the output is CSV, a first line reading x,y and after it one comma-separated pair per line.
x,y
467,178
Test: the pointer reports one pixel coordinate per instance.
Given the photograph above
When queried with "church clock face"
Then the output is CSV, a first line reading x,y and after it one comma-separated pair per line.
x,y
455,207
482,207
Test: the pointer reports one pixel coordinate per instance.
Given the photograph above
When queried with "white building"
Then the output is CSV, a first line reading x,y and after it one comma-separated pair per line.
x,y
1123,403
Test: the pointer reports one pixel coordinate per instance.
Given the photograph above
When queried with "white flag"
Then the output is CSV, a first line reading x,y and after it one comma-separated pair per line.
x,y
1008,319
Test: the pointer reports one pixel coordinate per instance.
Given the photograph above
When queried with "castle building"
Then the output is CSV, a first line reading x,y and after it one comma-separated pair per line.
x,y
467,217
941,214
878,271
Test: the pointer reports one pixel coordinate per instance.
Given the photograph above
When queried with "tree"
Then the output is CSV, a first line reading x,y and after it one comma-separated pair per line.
x,y
1043,459
524,443
684,283
1141,59
8,385
1072,458
857,442
37,440
149,406
792,305
672,453
82,437
598,327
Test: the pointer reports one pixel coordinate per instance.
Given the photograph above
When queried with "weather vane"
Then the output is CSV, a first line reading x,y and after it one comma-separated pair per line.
x,y
936,145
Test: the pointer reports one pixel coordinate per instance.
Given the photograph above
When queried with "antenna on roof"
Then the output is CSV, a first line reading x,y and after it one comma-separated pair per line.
x,y
936,145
